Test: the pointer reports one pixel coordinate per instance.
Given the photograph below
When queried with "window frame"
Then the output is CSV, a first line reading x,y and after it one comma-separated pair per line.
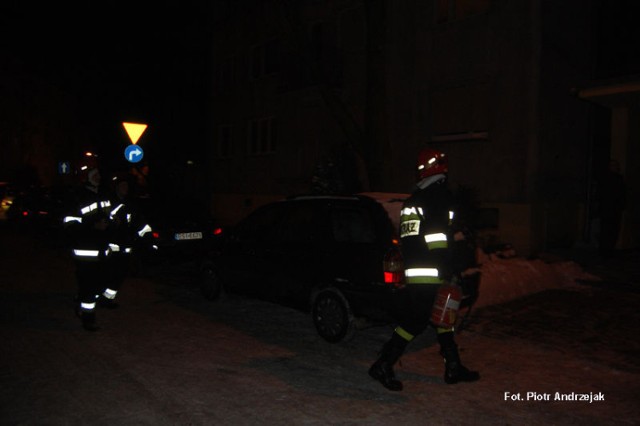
x,y
264,59
262,135
223,146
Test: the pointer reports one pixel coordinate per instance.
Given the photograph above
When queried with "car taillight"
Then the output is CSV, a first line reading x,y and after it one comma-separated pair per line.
x,y
393,267
155,235
217,231
394,278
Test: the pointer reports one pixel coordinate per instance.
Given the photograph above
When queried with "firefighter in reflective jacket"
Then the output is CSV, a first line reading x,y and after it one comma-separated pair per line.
x,y
126,225
87,222
425,233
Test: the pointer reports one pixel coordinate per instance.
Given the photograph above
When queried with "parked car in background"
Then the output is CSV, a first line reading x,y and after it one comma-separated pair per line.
x,y
182,229
6,199
333,256
38,210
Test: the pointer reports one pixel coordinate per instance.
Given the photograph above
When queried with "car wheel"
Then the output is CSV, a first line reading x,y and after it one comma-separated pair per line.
x,y
332,317
211,285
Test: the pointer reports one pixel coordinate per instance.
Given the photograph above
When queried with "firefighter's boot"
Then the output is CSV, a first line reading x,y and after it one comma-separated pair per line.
x,y
454,371
382,369
89,321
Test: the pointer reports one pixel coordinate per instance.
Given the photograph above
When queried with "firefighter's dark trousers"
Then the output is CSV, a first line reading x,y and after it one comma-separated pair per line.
x,y
90,277
412,307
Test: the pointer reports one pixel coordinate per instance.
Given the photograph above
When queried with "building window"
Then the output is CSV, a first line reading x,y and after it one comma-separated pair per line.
x,y
226,74
222,145
317,42
262,136
451,10
265,59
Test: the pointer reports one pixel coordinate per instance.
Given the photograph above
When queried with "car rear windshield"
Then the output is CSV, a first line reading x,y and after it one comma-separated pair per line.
x,y
317,221
352,225
338,221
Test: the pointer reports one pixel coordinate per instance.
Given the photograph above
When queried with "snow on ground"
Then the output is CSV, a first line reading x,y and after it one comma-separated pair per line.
x,y
505,279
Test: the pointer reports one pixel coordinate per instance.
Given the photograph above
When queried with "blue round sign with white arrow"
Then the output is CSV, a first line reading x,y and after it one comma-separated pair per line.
x,y
133,153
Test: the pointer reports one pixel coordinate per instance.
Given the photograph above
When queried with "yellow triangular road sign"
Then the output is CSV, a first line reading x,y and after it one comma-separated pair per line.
x,y
134,130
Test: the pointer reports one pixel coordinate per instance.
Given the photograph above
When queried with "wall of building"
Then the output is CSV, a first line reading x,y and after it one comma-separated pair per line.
x,y
500,72
38,126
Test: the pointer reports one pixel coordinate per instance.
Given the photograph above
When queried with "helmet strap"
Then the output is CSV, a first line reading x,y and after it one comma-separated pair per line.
x,y
430,180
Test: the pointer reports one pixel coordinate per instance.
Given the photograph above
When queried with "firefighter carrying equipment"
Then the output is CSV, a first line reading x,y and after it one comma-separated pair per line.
x,y
445,308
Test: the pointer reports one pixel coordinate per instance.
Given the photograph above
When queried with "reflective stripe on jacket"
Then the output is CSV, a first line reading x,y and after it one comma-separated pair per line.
x,y
88,243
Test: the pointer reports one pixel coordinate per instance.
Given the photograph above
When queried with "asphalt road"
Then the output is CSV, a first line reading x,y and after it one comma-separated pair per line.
x,y
168,357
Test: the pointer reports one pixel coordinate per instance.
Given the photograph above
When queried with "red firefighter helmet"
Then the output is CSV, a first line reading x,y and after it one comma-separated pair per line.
x,y
431,162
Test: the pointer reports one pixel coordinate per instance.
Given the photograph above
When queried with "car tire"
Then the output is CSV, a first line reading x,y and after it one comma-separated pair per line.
x,y
211,285
332,316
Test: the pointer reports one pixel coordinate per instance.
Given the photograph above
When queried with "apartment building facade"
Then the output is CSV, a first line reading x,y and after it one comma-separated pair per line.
x,y
359,87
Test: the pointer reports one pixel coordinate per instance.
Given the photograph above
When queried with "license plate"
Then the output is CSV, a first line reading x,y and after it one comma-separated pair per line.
x,y
189,236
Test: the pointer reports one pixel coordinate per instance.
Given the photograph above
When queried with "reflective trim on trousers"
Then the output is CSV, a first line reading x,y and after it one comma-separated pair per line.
x,y
110,294
90,254
86,253
88,307
404,334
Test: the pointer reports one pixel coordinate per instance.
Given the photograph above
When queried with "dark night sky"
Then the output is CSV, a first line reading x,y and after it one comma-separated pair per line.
x,y
126,54
129,57
124,61
90,49
148,61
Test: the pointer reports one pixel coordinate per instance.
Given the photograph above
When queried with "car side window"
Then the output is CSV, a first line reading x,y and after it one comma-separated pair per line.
x,y
261,225
352,225
303,223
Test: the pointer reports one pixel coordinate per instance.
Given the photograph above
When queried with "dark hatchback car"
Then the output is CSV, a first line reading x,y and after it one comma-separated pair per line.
x,y
333,256
182,229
